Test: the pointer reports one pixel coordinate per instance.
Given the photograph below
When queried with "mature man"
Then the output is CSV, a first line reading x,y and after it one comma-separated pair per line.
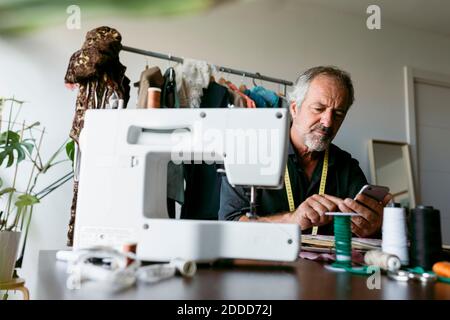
x,y
319,103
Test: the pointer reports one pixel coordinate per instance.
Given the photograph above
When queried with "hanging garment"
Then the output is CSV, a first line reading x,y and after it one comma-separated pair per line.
x,y
150,77
175,187
105,39
248,101
182,91
202,194
259,100
97,71
197,75
169,95
100,78
215,96
269,96
236,99
175,172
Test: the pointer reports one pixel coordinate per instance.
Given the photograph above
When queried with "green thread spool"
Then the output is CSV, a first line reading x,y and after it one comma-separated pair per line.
x,y
342,242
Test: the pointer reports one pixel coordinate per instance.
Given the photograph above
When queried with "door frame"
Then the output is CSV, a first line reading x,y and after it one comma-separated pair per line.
x,y
411,77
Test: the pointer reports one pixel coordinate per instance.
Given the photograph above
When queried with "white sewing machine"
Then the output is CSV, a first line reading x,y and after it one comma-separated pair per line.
x,y
123,179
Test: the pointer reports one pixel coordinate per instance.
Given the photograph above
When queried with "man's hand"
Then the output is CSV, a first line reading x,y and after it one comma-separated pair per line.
x,y
312,212
370,213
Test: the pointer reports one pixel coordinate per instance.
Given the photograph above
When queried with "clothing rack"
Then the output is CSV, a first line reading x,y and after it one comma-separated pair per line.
x,y
256,75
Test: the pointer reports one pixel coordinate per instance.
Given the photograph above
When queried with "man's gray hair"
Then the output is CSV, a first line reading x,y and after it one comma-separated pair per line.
x,y
303,82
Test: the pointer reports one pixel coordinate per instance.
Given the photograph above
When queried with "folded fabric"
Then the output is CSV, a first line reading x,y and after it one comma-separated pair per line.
x,y
357,256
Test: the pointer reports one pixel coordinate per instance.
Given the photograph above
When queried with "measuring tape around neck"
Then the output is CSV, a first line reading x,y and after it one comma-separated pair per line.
x,y
323,181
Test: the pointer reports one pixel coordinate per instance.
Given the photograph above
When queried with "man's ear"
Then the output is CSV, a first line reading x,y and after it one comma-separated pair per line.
x,y
293,109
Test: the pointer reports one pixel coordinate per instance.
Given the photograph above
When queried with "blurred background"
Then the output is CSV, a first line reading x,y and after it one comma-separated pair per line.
x,y
276,38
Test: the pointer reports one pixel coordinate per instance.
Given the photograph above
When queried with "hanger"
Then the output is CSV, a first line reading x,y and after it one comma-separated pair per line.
x,y
254,82
169,62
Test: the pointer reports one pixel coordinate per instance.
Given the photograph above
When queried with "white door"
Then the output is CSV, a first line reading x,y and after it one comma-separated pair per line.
x,y
433,149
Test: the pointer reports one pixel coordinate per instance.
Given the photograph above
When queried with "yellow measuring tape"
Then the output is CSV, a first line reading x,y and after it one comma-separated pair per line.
x,y
323,181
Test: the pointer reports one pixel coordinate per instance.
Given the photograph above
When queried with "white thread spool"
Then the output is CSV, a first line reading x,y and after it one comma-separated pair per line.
x,y
385,261
394,239
185,267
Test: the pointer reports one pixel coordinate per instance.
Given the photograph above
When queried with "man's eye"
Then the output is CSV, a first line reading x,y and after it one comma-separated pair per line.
x,y
318,109
340,115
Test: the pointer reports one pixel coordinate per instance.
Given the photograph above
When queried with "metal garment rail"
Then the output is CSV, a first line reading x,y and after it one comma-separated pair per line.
x,y
256,75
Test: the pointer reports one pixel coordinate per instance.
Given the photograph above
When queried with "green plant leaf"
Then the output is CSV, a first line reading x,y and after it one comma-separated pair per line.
x,y
28,146
9,136
26,200
23,201
10,143
1,182
70,149
6,190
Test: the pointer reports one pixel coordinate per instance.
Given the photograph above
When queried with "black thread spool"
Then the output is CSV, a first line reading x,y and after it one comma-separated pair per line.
x,y
426,239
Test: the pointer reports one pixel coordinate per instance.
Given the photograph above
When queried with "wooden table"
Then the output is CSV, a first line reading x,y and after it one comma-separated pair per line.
x,y
300,280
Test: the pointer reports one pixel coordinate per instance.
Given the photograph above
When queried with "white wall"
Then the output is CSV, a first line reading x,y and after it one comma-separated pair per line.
x,y
278,38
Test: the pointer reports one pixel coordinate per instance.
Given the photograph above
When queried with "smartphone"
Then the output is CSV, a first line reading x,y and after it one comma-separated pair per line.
x,y
375,192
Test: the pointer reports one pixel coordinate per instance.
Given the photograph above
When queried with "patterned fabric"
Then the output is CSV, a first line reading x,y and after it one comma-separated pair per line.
x,y
107,40
97,71
99,75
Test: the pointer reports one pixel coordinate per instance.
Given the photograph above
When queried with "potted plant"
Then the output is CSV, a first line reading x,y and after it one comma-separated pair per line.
x,y
20,156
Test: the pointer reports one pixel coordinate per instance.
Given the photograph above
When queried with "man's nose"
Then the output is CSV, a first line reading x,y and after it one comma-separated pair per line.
x,y
327,119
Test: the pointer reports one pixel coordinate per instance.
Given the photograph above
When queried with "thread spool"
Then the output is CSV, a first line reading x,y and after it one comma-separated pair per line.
x,y
426,238
394,236
185,267
383,260
153,97
342,242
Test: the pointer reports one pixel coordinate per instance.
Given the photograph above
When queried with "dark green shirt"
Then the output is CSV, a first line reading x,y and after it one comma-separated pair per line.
x,y
344,180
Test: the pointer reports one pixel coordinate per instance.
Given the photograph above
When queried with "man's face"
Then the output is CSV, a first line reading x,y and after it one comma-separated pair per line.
x,y
317,121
